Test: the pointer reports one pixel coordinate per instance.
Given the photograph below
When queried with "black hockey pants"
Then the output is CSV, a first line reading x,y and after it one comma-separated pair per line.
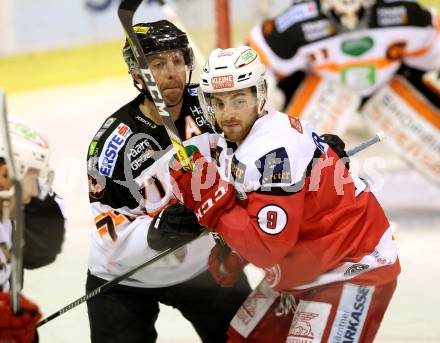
x,y
127,314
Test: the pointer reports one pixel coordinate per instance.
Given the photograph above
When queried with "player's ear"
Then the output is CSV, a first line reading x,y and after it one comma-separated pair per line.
x,y
137,79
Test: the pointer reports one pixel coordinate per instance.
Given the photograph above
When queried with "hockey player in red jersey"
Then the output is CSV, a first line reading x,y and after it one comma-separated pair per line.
x,y
282,198
333,58
44,225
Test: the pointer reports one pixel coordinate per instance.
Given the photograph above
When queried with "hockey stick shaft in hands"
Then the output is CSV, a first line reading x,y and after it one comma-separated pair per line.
x,y
113,282
126,11
18,223
380,136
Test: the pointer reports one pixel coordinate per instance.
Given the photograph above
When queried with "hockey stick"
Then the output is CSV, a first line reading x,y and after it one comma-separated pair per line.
x,y
18,223
380,136
126,12
115,281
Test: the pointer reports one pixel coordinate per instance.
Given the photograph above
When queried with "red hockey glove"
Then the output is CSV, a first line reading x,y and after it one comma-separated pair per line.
x,y
202,190
225,270
17,328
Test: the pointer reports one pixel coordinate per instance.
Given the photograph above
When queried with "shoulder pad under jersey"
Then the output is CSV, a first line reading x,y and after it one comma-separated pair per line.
x,y
275,154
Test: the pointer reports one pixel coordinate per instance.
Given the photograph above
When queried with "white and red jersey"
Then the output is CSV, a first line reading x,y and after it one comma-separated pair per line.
x,y
5,253
302,216
394,32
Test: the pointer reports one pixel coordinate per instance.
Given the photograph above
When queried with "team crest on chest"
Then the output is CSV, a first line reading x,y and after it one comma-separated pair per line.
x,y
238,170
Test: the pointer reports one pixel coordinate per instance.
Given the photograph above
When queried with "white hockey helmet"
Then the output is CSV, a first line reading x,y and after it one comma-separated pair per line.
x,y
30,151
347,11
229,70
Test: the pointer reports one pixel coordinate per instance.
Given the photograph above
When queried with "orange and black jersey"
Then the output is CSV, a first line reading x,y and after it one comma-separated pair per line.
x,y
129,142
392,33
130,184
304,23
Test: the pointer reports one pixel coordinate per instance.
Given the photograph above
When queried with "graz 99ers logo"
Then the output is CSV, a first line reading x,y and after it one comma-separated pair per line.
x,y
272,219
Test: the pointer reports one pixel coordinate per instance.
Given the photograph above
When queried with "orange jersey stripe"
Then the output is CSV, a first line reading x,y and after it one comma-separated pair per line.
x,y
423,108
263,57
172,201
302,96
379,63
419,52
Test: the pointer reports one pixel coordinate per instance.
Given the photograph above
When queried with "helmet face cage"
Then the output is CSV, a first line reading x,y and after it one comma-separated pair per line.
x,y
230,70
158,37
348,12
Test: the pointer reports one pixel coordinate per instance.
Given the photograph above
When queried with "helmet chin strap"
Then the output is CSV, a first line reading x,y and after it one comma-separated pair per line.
x,y
142,90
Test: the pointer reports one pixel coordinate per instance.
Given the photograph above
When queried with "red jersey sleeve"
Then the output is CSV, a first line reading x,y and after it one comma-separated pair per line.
x,y
265,227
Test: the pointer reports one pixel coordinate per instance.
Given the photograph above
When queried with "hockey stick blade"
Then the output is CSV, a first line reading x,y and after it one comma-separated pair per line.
x,y
18,224
126,12
380,136
114,282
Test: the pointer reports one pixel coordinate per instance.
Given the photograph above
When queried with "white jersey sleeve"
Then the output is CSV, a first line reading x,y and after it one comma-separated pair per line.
x,y
427,55
5,252
280,163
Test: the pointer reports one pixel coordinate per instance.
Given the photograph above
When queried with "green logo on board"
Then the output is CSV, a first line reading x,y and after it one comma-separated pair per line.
x,y
359,77
357,47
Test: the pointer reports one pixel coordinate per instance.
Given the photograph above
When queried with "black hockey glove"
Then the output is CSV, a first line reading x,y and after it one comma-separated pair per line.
x,y
174,225
338,146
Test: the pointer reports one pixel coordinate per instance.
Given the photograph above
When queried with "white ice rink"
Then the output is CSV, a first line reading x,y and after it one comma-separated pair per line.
x,y
70,117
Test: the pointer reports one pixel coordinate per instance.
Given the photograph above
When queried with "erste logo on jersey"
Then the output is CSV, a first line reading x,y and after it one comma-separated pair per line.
x,y
272,219
111,148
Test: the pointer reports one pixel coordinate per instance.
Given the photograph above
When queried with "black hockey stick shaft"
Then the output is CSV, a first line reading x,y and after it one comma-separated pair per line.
x,y
113,282
126,12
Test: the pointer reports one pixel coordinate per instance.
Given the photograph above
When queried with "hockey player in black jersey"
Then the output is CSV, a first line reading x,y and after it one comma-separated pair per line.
x,y
135,211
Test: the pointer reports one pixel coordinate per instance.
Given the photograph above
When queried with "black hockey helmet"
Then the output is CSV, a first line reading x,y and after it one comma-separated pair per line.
x,y
157,37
